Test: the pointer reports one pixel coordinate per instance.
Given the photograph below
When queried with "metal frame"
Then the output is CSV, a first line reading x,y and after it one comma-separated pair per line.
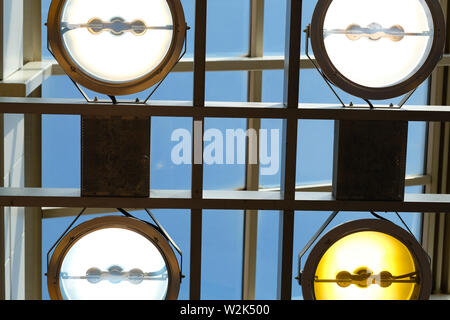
x,y
24,73
289,148
238,110
252,149
292,197
218,200
436,226
197,144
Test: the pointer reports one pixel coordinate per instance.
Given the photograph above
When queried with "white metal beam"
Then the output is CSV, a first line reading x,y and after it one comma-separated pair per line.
x,y
218,200
252,146
433,223
240,64
11,31
416,180
58,212
224,110
26,80
223,64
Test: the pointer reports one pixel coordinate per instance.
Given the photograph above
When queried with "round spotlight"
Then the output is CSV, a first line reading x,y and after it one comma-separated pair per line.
x,y
116,47
377,49
367,260
113,258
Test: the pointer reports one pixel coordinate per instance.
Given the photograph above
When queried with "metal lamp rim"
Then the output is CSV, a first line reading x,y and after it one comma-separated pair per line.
x,y
417,252
144,229
333,74
79,76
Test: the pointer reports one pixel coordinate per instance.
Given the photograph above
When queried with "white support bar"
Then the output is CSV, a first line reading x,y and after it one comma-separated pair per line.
x,y
224,110
240,64
224,64
33,74
58,212
417,180
218,200
24,81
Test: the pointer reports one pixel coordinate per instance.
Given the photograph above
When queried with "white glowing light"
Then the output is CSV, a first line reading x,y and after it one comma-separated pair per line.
x,y
116,58
382,62
118,254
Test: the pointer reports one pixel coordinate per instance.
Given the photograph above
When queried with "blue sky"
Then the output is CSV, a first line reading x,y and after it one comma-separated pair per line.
x,y
228,26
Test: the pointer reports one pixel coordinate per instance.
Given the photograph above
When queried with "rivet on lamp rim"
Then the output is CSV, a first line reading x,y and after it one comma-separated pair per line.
x,y
118,27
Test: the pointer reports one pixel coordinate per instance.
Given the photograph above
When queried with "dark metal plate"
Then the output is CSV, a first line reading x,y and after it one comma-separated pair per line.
x,y
370,160
115,154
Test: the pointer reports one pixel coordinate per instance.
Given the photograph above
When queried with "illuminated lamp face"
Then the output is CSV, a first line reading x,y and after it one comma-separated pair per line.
x,y
377,49
367,260
113,258
116,46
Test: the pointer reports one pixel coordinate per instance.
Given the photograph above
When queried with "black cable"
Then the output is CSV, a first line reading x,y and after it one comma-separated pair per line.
x,y
369,103
325,78
378,216
406,226
126,214
113,99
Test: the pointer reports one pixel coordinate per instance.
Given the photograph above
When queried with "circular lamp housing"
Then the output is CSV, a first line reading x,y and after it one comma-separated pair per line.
x,y
377,49
367,260
116,47
113,258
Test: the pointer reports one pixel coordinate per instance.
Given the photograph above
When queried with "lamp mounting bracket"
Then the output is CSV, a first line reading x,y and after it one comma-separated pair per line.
x,y
114,100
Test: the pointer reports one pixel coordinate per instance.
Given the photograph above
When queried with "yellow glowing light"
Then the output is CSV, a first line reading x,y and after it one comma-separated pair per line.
x,y
364,253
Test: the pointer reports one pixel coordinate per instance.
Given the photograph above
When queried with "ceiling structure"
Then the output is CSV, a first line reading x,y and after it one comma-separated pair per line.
x,y
21,89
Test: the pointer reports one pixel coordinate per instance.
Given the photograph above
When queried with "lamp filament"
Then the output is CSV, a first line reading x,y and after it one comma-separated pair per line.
x,y
375,32
117,26
115,274
364,278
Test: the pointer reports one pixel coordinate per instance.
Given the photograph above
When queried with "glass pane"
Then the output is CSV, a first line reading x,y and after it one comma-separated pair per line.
x,y
170,155
224,154
61,155
267,266
224,148
227,28
45,4
226,86
270,153
222,254
275,25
